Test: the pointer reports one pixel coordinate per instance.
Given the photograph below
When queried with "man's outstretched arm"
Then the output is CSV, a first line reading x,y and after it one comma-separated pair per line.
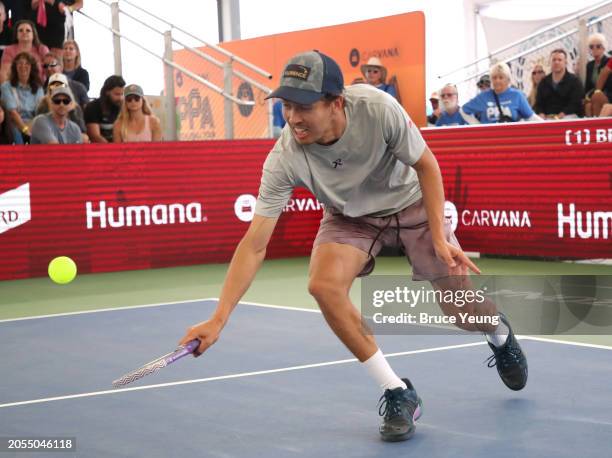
x,y
247,259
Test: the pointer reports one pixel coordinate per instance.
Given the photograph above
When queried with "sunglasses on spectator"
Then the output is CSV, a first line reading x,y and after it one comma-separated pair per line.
x,y
60,100
596,46
132,98
373,70
535,72
52,64
447,95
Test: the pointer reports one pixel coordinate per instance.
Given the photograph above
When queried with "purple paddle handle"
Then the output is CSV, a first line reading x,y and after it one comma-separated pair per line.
x,y
190,347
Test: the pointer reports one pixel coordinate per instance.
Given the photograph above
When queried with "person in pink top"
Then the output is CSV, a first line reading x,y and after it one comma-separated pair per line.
x,y
26,40
136,122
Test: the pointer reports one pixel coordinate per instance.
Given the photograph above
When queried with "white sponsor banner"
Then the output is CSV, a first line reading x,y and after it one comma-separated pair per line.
x,y
15,208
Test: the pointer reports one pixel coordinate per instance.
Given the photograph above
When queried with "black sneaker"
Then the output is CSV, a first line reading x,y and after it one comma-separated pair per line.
x,y
510,360
400,409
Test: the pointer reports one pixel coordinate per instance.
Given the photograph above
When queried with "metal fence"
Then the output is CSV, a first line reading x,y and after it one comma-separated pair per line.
x,y
524,55
209,93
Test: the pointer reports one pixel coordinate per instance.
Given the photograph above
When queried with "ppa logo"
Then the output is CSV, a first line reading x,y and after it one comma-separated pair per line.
x,y
244,207
15,208
450,212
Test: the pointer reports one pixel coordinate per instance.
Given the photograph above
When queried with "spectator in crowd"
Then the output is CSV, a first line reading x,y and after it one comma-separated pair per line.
x,y
6,35
136,122
101,114
560,93
75,114
16,10
606,111
26,40
6,128
55,127
53,66
434,100
50,17
537,75
72,63
484,83
502,103
450,115
604,76
375,74
21,95
596,98
278,120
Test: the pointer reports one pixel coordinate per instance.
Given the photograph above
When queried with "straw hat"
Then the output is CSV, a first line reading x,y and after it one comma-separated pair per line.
x,y
374,62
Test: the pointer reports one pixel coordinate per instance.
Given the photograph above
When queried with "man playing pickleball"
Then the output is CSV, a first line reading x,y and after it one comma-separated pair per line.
x,y
359,153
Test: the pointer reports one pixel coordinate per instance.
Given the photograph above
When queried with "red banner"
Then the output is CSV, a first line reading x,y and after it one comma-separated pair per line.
x,y
523,189
529,189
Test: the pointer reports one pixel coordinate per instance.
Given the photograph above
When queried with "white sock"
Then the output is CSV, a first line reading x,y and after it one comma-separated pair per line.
x,y
379,369
499,336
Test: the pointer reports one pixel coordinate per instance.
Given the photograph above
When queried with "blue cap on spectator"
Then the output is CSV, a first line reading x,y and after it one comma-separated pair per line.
x,y
307,77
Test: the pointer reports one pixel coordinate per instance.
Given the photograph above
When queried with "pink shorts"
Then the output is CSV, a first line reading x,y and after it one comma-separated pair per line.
x,y
408,228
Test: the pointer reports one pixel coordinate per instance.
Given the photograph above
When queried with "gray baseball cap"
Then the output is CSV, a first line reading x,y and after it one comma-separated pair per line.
x,y
133,89
61,90
307,77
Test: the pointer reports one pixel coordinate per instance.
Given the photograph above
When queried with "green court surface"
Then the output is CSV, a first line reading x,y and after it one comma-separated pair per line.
x,y
280,282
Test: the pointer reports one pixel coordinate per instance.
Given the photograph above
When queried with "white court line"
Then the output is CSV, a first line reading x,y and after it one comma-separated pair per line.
x,y
231,376
565,342
259,304
110,309
160,304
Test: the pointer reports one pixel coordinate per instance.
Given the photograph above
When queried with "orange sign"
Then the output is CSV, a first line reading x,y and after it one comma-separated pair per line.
x,y
398,41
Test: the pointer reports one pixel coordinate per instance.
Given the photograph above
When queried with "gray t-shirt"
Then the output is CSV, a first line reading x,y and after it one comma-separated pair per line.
x,y
366,172
44,130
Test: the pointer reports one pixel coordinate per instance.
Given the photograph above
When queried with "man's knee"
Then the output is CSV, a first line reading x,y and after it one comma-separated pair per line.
x,y
323,289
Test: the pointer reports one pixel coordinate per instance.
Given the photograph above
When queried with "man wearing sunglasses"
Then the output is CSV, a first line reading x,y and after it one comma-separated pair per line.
x,y
55,127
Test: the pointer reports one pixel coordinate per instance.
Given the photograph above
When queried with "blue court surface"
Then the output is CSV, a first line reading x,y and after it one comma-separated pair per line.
x,y
279,384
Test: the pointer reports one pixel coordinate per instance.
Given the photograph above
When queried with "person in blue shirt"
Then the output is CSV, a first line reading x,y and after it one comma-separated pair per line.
x,y
375,74
278,121
21,95
450,115
485,107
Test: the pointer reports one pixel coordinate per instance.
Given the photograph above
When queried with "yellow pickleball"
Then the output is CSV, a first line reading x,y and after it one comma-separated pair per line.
x,y
62,270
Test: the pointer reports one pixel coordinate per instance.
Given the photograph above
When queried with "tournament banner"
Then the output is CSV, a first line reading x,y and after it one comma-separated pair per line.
x,y
398,41
526,189
529,189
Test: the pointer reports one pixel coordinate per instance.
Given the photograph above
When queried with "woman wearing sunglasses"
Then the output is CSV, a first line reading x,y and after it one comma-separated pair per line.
x,y
595,99
375,74
537,74
136,122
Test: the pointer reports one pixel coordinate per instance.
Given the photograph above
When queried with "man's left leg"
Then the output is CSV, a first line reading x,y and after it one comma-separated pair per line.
x,y
507,356
416,238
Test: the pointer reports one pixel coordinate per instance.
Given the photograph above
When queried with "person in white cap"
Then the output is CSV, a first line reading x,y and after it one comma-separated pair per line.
x,y
376,74
53,66
75,113
55,127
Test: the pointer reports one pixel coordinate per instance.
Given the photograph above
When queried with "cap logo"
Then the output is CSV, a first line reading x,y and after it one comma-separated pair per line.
x,y
296,71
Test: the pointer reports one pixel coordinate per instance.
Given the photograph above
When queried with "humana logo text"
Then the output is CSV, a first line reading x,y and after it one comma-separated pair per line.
x,y
586,224
142,215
